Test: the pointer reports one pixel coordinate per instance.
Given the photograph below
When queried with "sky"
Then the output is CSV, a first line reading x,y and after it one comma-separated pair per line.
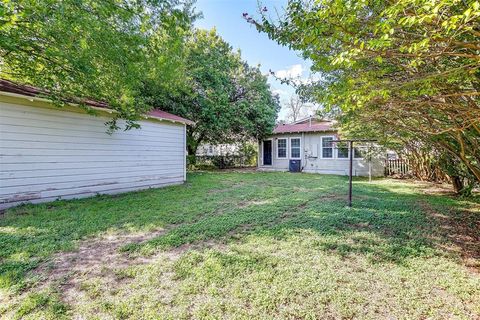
x,y
256,48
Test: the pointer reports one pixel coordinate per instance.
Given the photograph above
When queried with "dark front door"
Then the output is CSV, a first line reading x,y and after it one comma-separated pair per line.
x,y
267,152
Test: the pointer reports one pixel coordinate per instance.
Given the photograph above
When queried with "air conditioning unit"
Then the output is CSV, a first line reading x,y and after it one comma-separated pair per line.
x,y
295,166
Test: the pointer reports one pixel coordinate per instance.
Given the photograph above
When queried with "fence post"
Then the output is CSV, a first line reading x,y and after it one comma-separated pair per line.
x,y
397,166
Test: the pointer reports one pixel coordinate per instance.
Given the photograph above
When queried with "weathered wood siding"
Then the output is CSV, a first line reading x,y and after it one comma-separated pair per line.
x,y
49,154
317,164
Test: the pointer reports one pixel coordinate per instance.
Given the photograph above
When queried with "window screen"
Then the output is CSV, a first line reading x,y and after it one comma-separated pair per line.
x,y
327,147
295,148
282,148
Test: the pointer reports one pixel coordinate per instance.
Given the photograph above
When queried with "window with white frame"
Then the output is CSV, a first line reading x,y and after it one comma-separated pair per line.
x,y
342,151
327,147
281,148
295,148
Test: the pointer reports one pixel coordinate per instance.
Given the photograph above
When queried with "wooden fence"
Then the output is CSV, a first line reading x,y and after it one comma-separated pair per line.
x,y
399,166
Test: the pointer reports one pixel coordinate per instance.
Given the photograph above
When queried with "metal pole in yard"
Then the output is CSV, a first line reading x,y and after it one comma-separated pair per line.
x,y
350,178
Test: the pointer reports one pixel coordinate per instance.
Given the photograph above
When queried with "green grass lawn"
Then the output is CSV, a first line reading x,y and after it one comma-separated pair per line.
x,y
245,245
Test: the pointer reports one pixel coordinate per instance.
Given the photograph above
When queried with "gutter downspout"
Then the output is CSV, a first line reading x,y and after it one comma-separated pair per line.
x,y
304,163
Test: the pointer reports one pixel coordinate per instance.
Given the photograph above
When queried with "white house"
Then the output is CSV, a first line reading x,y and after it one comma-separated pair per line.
x,y
49,153
207,149
307,146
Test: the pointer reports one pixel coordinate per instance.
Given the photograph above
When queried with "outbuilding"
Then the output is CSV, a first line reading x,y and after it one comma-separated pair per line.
x,y
49,153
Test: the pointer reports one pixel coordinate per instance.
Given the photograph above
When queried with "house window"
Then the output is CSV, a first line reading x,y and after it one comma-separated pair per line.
x,y
281,148
342,151
357,153
295,148
327,147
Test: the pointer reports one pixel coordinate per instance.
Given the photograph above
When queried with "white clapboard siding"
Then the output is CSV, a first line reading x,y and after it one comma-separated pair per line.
x,y
58,187
47,117
32,138
75,126
166,182
48,154
46,173
31,182
14,167
86,146
72,133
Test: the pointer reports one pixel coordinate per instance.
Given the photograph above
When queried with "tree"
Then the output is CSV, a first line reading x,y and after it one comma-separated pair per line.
x,y
226,98
409,69
90,49
295,108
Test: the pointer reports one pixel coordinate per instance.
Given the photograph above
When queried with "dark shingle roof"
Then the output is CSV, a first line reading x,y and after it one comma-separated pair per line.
x,y
308,125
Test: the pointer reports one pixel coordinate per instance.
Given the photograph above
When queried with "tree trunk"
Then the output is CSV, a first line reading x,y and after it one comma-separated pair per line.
x,y
474,170
457,183
192,149
192,146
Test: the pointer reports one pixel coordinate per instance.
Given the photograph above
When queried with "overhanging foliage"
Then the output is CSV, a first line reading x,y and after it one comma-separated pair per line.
x,y
401,70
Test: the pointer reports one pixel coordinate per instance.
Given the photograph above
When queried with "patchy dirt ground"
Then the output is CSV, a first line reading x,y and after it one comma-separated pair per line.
x,y
101,259
97,257
462,230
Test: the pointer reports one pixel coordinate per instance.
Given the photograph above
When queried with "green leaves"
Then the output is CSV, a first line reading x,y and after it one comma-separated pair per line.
x,y
226,98
87,49
406,68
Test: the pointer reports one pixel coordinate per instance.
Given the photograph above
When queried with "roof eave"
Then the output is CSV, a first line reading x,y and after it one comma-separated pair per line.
x,y
303,131
186,121
103,109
